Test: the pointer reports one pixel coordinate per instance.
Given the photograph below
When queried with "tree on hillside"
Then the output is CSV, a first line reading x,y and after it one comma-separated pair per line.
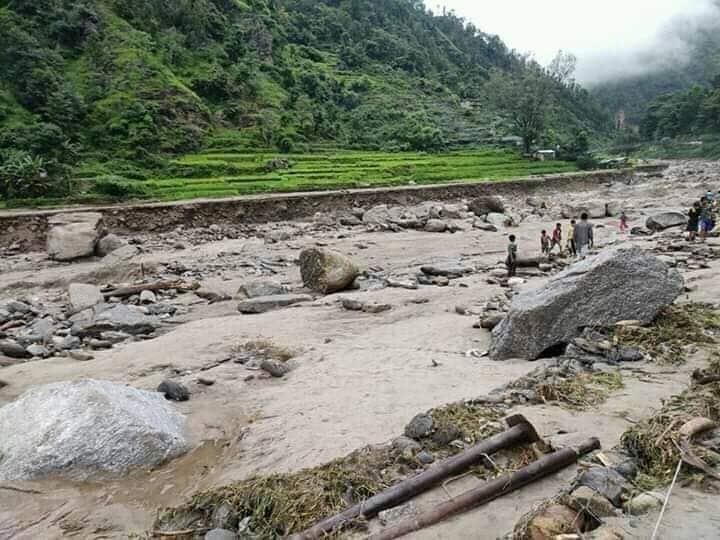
x,y
526,99
563,66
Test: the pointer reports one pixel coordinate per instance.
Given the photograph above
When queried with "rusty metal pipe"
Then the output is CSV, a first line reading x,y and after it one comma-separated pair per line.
x,y
489,491
520,432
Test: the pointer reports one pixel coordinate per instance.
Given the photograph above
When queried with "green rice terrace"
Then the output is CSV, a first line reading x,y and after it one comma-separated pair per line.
x,y
228,174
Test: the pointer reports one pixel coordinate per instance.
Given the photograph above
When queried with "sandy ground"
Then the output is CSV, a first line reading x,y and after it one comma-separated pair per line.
x,y
357,378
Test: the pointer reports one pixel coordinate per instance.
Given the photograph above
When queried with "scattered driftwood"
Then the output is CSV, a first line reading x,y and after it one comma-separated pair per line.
x,y
492,490
520,432
688,431
131,290
699,377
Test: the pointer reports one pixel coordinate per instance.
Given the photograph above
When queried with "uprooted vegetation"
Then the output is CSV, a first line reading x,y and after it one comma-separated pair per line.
x,y
581,392
262,349
280,504
656,443
676,331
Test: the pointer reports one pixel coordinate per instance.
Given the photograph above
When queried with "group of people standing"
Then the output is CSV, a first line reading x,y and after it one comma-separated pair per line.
x,y
702,217
579,240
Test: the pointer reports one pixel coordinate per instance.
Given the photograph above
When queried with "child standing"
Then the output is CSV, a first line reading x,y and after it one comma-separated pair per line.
x,y
545,243
623,222
511,261
693,222
557,238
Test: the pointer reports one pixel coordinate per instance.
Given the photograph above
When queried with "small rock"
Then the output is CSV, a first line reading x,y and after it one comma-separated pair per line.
x,y
352,305
419,427
586,499
260,288
69,342
491,321
607,482
605,533
440,281
148,297
276,369
425,457
554,520
403,444
205,382
643,504
38,350
220,534
83,296
436,226
98,344
13,350
376,308
81,356
446,434
109,243
264,304
174,391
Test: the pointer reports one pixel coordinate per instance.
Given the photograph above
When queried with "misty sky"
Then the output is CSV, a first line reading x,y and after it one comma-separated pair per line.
x,y
601,34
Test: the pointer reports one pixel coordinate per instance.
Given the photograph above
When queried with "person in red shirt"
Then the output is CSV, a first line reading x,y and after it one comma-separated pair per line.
x,y
557,238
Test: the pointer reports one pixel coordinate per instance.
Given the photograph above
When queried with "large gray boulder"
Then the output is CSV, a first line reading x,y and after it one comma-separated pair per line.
x,y
86,427
594,210
326,271
482,206
666,220
624,283
73,236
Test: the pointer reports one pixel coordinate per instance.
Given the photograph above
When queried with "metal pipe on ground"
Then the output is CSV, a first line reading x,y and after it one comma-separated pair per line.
x,y
489,491
520,432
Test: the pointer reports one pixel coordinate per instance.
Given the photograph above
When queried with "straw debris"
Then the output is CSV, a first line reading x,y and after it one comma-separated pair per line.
x,y
580,392
674,332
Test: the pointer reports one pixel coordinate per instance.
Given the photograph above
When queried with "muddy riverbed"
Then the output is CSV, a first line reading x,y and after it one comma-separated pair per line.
x,y
356,377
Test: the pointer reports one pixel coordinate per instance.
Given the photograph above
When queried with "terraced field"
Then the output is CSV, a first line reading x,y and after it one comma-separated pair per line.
x,y
230,174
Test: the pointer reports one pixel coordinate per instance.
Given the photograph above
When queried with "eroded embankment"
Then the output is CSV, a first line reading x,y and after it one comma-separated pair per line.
x,y
29,227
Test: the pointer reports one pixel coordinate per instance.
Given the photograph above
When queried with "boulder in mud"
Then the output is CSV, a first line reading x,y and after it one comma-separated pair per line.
x,y
109,243
482,206
82,428
326,271
263,304
553,521
73,236
619,284
436,226
666,220
256,289
498,220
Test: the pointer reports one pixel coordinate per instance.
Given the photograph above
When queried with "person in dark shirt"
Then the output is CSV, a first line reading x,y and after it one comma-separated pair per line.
x,y
693,222
584,240
511,261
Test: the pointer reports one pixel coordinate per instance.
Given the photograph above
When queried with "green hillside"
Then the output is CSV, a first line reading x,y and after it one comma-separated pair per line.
x,y
123,87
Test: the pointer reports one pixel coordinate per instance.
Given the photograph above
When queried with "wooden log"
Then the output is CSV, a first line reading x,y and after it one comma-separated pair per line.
x,y
131,290
520,432
492,490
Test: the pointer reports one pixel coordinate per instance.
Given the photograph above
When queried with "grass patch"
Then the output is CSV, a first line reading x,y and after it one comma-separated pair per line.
x,y
580,392
263,349
676,328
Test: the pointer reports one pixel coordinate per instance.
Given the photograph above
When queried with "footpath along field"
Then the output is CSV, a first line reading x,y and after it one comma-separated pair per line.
x,y
227,174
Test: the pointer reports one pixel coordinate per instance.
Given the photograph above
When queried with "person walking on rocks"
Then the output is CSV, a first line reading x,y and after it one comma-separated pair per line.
x,y
693,222
557,238
583,235
544,243
571,247
623,222
706,220
511,261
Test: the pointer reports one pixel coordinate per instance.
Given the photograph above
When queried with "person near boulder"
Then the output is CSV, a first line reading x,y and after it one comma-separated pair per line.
x,y
693,222
511,261
623,222
544,243
557,238
706,218
583,235
571,247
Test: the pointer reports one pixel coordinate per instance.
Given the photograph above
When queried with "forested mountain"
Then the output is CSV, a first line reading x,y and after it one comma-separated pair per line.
x,y
687,55
135,80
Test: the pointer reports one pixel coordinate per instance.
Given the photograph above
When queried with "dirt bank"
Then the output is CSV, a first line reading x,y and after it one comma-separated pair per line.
x,y
30,227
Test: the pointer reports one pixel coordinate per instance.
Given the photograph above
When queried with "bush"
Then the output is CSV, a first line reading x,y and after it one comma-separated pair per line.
x,y
587,162
117,188
25,175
